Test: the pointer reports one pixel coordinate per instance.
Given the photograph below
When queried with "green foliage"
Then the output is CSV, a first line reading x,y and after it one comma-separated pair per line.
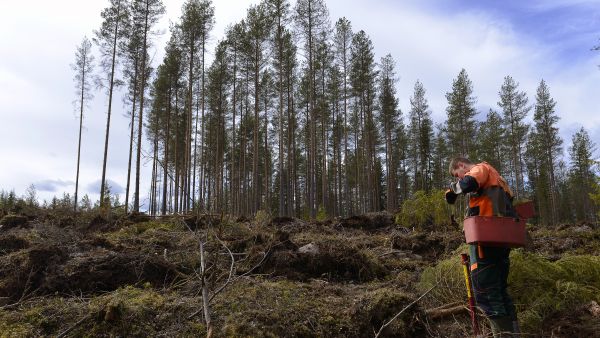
x,y
420,133
595,196
423,210
322,214
450,273
539,287
9,201
262,217
460,126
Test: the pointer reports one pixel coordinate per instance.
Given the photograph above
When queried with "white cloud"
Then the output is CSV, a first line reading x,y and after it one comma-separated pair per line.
x,y
50,185
38,129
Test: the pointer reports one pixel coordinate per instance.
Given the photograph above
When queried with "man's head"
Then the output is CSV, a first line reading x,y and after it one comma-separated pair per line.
x,y
459,166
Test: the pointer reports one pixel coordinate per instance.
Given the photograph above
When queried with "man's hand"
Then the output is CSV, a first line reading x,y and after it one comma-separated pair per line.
x,y
450,196
455,187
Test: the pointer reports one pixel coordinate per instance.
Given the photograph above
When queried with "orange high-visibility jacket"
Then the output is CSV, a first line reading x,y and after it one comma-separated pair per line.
x,y
493,197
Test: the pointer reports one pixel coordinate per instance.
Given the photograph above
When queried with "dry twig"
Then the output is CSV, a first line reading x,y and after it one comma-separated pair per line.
x,y
386,324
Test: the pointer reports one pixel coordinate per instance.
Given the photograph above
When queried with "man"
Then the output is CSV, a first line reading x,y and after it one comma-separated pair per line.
x,y
489,195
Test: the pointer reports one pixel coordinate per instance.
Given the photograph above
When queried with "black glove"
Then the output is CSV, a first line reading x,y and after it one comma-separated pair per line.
x,y
450,196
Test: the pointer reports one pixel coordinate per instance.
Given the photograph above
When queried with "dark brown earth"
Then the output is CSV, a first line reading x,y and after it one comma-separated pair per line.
x,y
138,277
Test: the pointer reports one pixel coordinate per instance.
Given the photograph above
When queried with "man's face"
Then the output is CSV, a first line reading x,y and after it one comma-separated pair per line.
x,y
460,171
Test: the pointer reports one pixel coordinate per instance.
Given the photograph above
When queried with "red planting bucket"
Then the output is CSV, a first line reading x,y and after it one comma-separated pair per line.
x,y
495,231
525,209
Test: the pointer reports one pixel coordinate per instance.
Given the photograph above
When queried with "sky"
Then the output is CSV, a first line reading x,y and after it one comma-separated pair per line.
x,y
430,41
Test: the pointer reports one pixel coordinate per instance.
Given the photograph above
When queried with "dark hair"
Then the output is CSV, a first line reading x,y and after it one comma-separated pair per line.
x,y
455,161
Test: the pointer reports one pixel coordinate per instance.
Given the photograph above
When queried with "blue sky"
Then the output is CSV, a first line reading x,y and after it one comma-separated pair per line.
x,y
569,26
431,41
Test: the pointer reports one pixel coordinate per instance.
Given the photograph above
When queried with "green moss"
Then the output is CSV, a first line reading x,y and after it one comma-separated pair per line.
x,y
127,311
15,330
283,308
539,287
37,318
155,225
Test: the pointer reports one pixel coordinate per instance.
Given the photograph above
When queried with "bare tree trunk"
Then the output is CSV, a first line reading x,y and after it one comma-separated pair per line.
x,y
110,95
166,157
234,182
134,98
324,146
291,154
255,184
81,105
202,102
136,199
205,298
176,150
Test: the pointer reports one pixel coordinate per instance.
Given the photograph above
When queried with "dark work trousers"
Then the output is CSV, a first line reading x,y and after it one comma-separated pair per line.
x,y
489,274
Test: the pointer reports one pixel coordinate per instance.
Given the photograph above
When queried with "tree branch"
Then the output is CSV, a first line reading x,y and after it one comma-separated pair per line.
x,y
402,311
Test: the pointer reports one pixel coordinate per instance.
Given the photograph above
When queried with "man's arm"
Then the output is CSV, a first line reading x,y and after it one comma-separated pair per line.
x,y
466,185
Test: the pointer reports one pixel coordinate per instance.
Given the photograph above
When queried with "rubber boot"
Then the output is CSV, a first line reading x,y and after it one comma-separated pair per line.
x,y
516,331
502,327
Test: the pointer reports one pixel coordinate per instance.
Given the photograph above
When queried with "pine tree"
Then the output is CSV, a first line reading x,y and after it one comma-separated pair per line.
x,y
197,20
440,159
549,149
323,69
389,115
515,109
582,175
460,126
492,146
342,42
363,77
279,10
130,53
107,38
83,68
401,157
420,136
235,42
311,16
216,137
145,14
259,23
290,69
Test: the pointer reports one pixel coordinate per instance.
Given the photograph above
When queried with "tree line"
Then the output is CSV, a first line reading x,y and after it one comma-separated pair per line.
x,y
296,117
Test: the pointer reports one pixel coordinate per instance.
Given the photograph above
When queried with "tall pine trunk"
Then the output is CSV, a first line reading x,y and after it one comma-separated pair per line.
x,y
110,96
136,199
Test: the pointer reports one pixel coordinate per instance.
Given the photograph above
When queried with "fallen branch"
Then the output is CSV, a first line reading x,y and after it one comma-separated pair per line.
x,y
446,310
393,252
386,324
207,320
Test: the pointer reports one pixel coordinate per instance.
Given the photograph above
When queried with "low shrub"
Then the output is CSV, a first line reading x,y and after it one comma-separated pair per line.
x,y
539,288
424,210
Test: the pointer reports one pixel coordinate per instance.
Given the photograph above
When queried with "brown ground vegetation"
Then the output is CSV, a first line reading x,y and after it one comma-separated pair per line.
x,y
138,277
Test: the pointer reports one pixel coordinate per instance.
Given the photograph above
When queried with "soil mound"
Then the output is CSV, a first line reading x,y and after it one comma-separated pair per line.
x,y
332,260
429,245
375,308
582,322
13,221
368,221
102,270
25,271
